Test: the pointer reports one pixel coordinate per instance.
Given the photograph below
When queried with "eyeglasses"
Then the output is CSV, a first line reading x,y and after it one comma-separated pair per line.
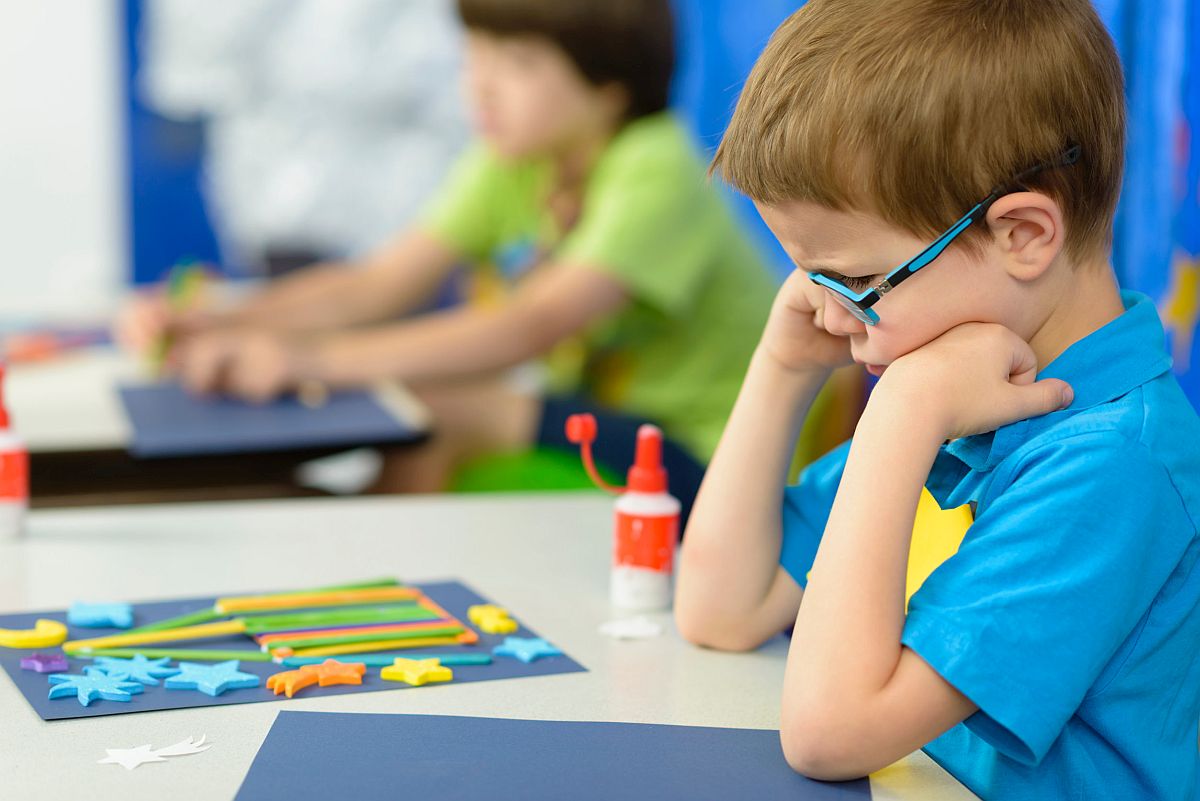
x,y
859,303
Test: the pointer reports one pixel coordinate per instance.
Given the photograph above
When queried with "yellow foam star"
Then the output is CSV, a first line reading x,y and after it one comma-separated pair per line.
x,y
416,671
492,619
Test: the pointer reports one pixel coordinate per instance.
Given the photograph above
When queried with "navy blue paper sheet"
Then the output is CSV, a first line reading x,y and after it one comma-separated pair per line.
x,y
324,755
452,596
166,421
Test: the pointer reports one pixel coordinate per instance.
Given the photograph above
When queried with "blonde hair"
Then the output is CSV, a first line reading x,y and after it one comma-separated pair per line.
x,y
914,110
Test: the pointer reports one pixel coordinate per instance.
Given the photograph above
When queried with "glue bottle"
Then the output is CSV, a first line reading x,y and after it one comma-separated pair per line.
x,y
14,476
647,520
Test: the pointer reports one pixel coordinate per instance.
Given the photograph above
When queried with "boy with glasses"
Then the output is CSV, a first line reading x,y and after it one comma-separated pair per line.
x,y
1002,565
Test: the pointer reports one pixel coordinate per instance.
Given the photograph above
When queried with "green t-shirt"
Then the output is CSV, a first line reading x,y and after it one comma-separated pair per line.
x,y
700,294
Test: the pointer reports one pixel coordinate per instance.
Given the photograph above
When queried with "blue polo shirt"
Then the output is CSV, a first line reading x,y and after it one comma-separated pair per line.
x,y
1071,613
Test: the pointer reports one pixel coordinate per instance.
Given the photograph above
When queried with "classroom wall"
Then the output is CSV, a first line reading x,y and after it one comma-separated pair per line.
x,y
62,227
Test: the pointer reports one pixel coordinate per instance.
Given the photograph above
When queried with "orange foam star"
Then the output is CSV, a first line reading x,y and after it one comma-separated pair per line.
x,y
331,672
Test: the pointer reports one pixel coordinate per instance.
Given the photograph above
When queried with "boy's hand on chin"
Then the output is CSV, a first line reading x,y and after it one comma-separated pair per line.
x,y
794,337
976,377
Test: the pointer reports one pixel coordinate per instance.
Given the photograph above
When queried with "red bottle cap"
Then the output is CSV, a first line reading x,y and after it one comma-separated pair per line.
x,y
647,473
3,408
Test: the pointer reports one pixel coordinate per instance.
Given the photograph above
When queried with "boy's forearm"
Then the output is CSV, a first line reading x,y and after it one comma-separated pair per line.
x,y
846,643
730,554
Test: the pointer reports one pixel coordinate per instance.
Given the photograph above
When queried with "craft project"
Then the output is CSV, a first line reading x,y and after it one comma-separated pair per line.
x,y
492,619
211,679
327,611
44,634
100,616
416,672
45,663
168,421
139,668
93,684
130,758
358,756
525,649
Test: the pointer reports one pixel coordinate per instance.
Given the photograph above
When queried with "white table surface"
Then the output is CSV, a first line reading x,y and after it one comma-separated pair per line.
x,y
545,557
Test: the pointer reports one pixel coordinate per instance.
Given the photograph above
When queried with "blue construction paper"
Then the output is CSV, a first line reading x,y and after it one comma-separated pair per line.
x,y
452,596
167,421
325,755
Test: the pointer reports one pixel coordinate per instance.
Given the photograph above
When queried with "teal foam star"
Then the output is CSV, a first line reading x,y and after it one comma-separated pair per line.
x,y
140,669
525,649
95,683
211,679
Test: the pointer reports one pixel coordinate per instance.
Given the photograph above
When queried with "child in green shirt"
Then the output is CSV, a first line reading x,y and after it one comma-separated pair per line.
x,y
596,246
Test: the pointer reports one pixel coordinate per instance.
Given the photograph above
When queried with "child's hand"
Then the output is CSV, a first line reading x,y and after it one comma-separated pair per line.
x,y
143,323
976,377
254,365
793,337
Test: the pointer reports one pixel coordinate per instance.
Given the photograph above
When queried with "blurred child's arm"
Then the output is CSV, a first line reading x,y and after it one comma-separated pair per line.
x,y
393,279
855,700
731,591
551,305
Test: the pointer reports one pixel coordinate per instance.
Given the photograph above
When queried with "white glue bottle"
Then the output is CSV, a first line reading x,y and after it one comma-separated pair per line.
x,y
14,476
647,520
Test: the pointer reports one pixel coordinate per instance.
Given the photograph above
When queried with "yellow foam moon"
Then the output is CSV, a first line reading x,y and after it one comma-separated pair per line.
x,y
44,634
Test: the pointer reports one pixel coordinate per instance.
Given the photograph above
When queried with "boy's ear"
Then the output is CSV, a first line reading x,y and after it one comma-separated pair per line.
x,y
1028,230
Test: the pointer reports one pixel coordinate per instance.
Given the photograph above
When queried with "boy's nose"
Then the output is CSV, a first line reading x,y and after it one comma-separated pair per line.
x,y
838,320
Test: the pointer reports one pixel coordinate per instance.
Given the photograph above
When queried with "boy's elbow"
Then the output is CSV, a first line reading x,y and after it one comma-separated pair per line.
x,y
823,744
709,632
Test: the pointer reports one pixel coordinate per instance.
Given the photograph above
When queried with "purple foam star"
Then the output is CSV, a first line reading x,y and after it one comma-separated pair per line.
x,y
44,663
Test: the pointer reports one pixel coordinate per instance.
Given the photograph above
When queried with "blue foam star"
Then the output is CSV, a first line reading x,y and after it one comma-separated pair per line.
x,y
95,683
211,679
146,671
525,649
100,616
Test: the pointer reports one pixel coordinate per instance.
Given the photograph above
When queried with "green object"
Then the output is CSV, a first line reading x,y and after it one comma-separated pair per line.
x,y
206,615
386,660
535,469
346,639
194,655
699,293
395,613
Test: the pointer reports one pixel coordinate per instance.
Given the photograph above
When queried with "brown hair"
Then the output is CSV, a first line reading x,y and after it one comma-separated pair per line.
x,y
629,42
915,110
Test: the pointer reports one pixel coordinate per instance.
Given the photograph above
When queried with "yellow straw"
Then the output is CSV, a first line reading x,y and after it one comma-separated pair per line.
x,y
155,637
264,603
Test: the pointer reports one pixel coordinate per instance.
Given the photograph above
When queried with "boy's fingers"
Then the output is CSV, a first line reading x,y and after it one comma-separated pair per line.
x,y
1041,397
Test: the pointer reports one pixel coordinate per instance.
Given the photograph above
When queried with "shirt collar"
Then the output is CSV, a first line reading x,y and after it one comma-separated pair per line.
x,y
1106,364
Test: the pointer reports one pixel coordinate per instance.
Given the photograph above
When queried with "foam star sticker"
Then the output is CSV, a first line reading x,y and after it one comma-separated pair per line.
x,y
130,758
291,681
95,683
416,671
147,671
331,672
211,679
525,649
492,619
45,663
100,616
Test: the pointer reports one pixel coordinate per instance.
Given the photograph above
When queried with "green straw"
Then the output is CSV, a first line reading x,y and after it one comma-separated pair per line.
x,y
397,613
206,615
344,639
386,660
173,653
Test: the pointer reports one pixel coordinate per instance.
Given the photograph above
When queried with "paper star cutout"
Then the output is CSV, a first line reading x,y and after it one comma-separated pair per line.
x,y
492,619
291,681
44,663
95,683
100,616
147,671
639,628
211,679
416,671
130,758
525,649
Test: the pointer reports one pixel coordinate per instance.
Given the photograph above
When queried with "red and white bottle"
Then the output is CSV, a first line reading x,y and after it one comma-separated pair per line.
x,y
647,520
14,476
